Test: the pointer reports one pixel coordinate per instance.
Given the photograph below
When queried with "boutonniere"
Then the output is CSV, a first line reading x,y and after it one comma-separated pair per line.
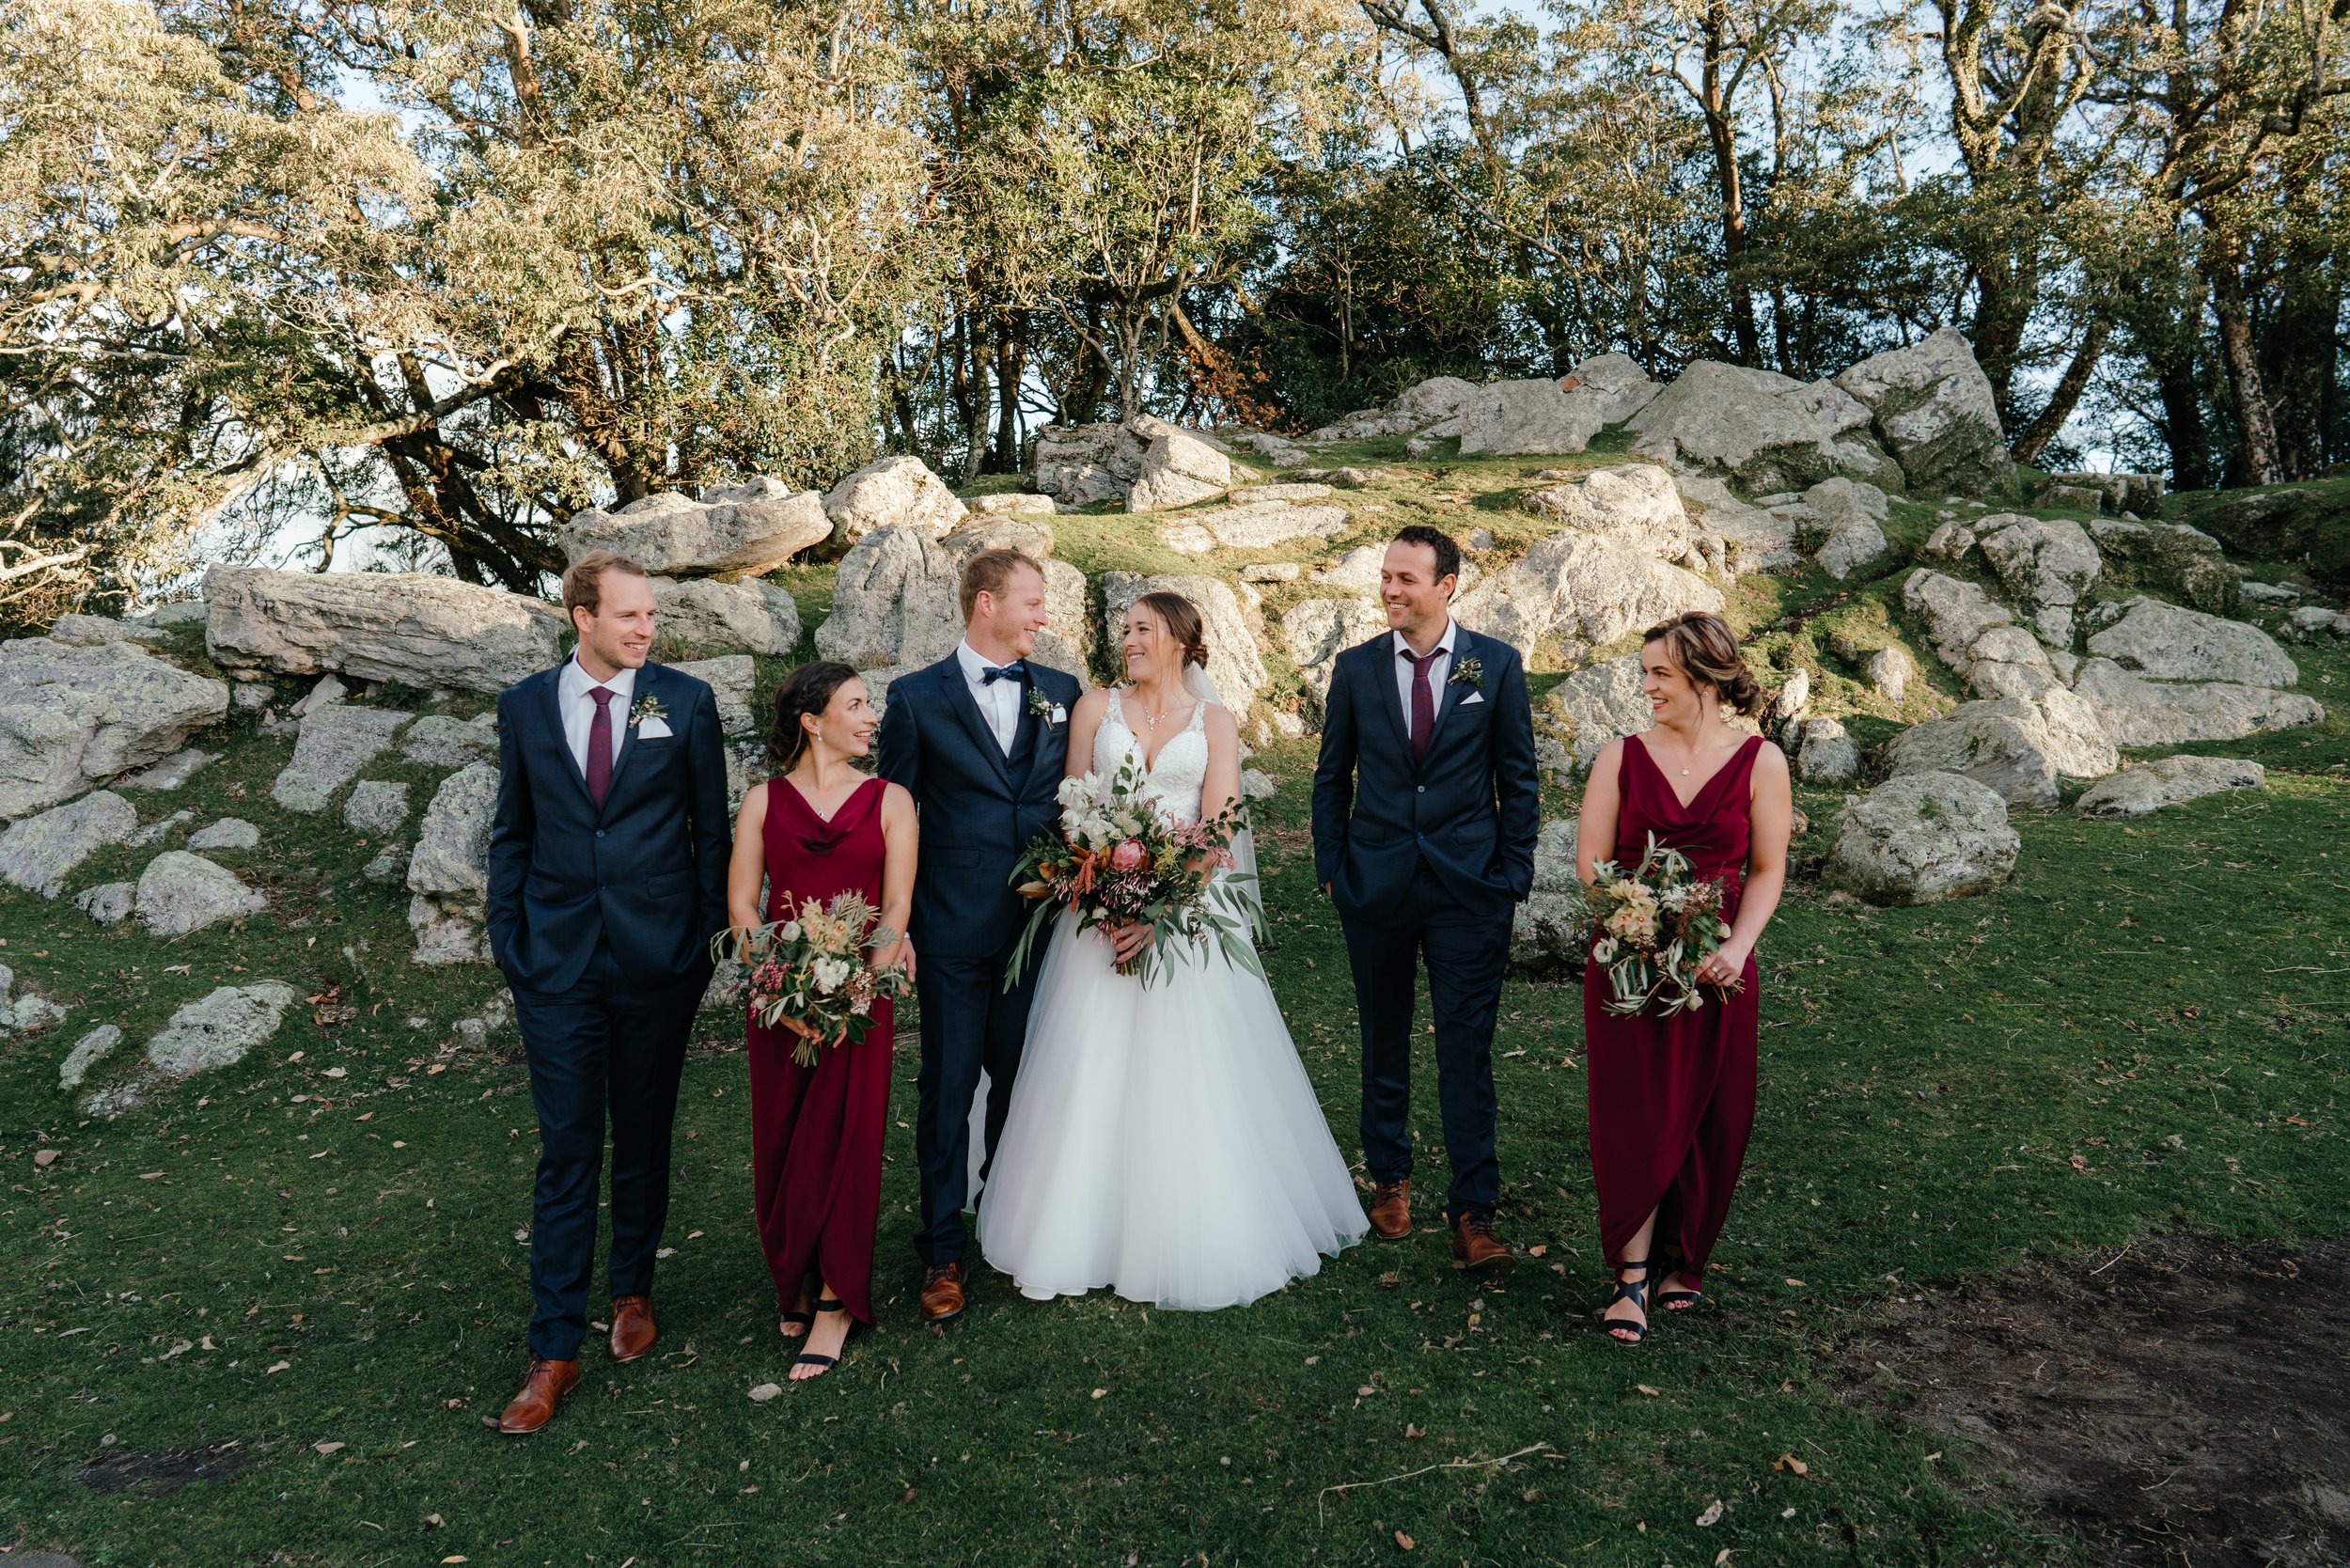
x,y
1045,708
647,707
1467,672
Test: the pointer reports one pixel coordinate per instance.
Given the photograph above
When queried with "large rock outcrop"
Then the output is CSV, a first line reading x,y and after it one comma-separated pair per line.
x,y
336,741
1079,465
714,618
1770,432
1431,402
2134,791
1230,625
2163,675
1251,525
1178,468
74,716
448,871
428,632
1596,705
179,892
1583,588
2169,558
2047,565
891,491
739,529
40,852
1923,839
1315,632
2015,747
896,605
1635,504
1933,408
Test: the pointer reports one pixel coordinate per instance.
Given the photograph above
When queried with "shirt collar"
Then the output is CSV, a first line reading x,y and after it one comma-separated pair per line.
x,y
1444,644
576,681
974,668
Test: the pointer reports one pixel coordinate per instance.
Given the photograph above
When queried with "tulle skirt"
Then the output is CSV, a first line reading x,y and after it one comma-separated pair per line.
x,y
1165,1143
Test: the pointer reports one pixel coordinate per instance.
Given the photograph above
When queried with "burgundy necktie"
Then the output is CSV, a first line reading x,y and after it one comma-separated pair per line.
x,y
600,745
1423,700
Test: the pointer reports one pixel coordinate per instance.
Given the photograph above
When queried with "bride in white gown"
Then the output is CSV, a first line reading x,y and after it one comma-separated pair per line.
x,y
1163,1143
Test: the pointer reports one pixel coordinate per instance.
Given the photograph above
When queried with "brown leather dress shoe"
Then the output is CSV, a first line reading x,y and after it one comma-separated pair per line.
x,y
1477,1249
942,1293
542,1390
633,1329
1391,1209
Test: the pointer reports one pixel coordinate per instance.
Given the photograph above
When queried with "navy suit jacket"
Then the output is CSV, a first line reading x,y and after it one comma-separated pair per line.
x,y
647,872
979,808
1471,808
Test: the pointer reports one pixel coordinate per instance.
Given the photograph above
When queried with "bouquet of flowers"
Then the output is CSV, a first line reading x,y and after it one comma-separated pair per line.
x,y
813,973
1118,859
1652,926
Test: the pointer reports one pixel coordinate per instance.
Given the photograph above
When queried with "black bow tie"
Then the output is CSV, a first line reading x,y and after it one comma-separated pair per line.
x,y
990,674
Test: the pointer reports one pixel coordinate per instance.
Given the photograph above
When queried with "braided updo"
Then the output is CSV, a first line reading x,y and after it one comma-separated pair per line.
x,y
1706,651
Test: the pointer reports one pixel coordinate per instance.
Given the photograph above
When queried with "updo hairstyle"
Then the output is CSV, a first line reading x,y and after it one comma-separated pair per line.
x,y
808,690
1181,618
1706,651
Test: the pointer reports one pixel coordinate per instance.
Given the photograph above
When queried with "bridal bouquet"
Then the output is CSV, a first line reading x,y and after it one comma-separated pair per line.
x,y
1653,925
1117,858
812,973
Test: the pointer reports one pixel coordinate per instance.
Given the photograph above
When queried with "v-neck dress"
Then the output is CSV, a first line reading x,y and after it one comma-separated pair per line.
x,y
1672,1099
817,1132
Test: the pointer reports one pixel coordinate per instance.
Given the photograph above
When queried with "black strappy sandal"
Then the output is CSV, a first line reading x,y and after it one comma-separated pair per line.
x,y
789,1319
809,1359
1681,1300
1635,1292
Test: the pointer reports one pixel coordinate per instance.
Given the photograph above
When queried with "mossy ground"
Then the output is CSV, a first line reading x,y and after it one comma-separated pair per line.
x,y
2144,1032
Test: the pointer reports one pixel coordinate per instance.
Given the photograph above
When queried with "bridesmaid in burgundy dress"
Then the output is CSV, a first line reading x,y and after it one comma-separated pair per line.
x,y
1672,1099
819,826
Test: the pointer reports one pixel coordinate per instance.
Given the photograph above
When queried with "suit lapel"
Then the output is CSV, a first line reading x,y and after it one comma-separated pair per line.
x,y
1383,666
959,698
550,695
1463,648
646,675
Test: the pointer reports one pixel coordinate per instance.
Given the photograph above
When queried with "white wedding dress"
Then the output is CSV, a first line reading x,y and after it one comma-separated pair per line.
x,y
1163,1143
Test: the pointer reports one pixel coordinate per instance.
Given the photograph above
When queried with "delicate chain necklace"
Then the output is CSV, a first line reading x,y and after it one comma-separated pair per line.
x,y
1149,719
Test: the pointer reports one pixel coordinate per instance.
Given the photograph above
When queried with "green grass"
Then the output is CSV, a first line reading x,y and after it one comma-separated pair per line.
x,y
1929,1078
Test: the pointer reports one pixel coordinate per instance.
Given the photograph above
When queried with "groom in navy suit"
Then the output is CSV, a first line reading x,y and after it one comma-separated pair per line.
x,y
1426,812
977,739
607,880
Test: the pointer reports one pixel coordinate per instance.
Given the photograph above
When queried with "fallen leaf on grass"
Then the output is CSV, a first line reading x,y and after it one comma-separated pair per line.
x,y
1536,1250
449,1559
1793,1280
1721,1556
1712,1516
1404,1541
327,1446
282,1366
2079,1162
1646,1389
1411,1431
1364,1391
764,1392
1098,1392
1790,1463
44,1158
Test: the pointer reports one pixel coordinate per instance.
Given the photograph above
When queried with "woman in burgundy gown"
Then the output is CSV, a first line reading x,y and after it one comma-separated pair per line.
x,y
819,826
1672,1098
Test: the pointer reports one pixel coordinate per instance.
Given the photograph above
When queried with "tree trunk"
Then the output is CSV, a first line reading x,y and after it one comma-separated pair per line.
x,y
2182,392
2256,430
1722,130
2034,438
2302,352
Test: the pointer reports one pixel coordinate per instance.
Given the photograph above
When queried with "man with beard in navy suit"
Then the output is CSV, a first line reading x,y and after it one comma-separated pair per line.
x,y
977,739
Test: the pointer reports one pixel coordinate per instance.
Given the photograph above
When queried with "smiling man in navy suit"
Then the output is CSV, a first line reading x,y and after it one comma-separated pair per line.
x,y
607,880
977,739
1426,811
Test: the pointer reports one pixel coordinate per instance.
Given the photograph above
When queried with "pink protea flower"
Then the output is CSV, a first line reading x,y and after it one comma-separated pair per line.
x,y
1129,855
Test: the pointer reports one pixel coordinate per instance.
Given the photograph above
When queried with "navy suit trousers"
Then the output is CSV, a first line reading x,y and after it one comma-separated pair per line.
x,y
969,1022
1466,949
612,1044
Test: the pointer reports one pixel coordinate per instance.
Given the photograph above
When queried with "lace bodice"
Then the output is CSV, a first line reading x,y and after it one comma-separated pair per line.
x,y
1177,779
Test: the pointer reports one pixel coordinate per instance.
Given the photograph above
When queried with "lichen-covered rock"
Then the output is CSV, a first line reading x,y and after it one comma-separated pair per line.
x,y
88,631
1755,538
1010,502
731,680
1850,512
87,1052
1547,932
2015,747
448,871
428,632
108,903
1417,407
2172,560
438,741
159,829
1923,838
172,772
1827,755
1315,632
1635,504
1934,409
1578,586
2151,785
1254,525
2135,710
741,529
891,493
181,892
1080,464
71,717
219,1029
38,853
2048,564
1531,416
1596,705
229,833
1955,612
377,807
1179,467
714,618
1768,431
1890,671
2163,641
1230,627
2116,492
1277,450
336,741
895,605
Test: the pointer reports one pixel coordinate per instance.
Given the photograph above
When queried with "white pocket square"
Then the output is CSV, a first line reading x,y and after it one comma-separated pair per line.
x,y
654,730
1473,696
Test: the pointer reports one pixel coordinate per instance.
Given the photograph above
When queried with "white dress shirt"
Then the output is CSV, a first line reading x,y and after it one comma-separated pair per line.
x,y
1438,669
999,701
579,710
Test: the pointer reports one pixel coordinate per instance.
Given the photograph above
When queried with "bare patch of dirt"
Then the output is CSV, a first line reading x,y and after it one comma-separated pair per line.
x,y
2181,1400
156,1475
